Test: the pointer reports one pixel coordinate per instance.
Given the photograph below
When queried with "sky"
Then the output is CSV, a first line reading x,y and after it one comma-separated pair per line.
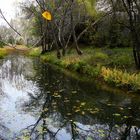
x,y
8,8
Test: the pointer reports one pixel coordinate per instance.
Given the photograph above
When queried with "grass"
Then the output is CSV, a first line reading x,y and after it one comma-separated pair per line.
x,y
3,52
34,52
113,66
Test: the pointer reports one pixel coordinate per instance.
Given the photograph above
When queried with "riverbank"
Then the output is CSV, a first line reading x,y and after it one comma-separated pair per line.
x,y
9,50
113,66
3,52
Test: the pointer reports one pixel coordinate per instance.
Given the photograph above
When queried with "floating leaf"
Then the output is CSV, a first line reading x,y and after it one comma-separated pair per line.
x,y
46,109
57,95
83,113
126,117
66,101
69,114
61,90
54,103
121,108
77,110
74,92
94,112
117,114
83,104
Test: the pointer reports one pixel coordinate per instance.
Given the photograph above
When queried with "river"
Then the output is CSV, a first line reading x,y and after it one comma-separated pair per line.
x,y
40,102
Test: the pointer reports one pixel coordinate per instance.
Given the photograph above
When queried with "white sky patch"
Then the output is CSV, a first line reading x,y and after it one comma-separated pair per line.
x,y
8,8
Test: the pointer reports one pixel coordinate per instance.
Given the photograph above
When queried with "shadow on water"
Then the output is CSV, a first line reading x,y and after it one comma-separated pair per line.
x,y
39,102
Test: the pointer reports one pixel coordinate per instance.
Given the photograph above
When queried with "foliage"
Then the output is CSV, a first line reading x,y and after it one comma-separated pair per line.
x,y
121,78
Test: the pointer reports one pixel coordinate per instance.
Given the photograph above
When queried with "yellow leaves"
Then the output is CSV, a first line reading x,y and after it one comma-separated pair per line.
x,y
69,114
121,78
117,114
47,15
56,95
83,113
83,104
74,92
77,110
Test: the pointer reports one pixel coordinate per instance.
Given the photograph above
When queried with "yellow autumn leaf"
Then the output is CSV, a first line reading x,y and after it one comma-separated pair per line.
x,y
47,15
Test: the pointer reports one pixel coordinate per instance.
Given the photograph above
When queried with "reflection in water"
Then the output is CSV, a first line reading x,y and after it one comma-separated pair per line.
x,y
39,102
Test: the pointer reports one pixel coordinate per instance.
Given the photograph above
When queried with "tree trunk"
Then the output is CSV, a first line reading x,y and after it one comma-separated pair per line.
x,y
73,33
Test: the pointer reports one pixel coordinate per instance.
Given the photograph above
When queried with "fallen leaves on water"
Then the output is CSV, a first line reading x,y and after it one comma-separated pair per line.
x,y
109,104
83,113
83,104
77,110
74,92
126,117
93,112
116,114
61,90
66,100
54,103
45,110
69,114
121,108
56,95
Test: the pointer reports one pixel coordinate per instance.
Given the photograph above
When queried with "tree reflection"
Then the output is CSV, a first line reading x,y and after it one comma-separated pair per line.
x,y
67,109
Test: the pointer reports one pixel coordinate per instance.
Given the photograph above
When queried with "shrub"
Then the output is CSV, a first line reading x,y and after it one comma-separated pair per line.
x,y
120,78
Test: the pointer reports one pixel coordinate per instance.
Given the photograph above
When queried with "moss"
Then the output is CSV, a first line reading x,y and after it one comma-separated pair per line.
x,y
3,53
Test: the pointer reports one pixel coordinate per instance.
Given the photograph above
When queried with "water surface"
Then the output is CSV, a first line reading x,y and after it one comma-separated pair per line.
x,y
39,102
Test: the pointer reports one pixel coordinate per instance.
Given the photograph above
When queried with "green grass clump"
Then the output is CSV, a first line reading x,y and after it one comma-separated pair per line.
x,y
34,52
51,58
3,53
